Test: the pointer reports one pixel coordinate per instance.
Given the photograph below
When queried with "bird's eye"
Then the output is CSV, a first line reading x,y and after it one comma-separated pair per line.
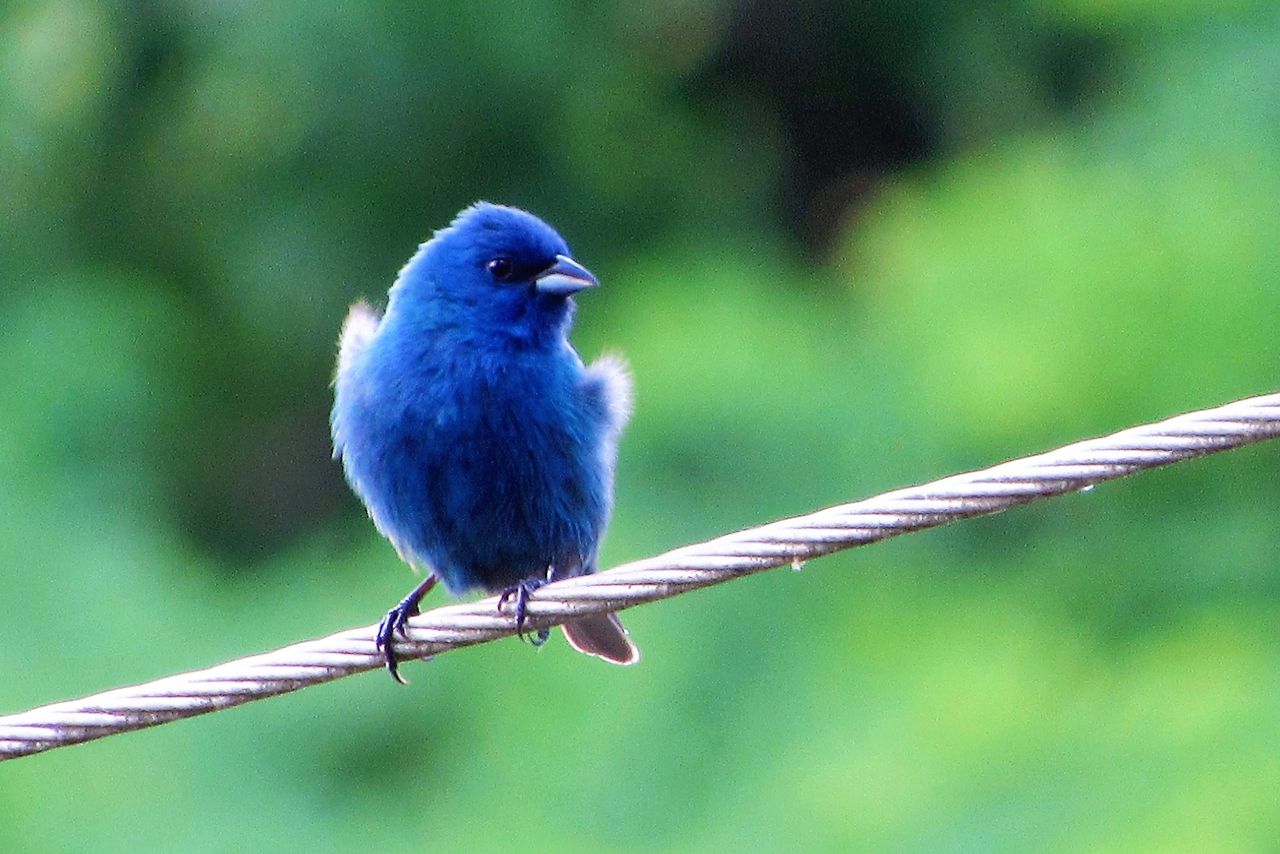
x,y
500,268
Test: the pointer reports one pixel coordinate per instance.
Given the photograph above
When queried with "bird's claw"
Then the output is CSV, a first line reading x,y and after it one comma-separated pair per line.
x,y
520,593
396,619
393,624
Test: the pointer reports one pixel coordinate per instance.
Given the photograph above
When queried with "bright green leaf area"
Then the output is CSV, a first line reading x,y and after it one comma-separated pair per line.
x,y
194,196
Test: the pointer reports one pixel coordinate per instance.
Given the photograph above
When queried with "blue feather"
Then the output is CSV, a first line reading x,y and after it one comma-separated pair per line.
x,y
482,447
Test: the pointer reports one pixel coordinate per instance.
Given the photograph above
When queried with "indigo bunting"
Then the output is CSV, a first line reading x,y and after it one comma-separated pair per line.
x,y
478,441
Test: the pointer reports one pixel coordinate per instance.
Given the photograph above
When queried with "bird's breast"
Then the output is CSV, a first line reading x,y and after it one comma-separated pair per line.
x,y
505,465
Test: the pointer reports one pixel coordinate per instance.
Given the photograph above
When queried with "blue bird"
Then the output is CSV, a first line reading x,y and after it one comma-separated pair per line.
x,y
480,444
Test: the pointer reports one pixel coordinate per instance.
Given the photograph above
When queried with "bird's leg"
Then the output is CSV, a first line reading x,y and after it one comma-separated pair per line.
x,y
520,592
393,623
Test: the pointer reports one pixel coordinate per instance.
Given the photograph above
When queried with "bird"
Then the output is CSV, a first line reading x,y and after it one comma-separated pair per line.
x,y
481,445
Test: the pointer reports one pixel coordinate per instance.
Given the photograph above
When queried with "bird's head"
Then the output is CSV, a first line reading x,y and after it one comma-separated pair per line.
x,y
498,268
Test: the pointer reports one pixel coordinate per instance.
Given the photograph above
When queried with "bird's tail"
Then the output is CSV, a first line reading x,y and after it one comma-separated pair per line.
x,y
603,636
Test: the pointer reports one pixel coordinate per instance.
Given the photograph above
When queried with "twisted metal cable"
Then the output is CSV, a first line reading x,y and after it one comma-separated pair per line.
x,y
789,541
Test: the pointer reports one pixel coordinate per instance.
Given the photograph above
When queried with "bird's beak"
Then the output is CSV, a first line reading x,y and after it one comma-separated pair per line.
x,y
564,278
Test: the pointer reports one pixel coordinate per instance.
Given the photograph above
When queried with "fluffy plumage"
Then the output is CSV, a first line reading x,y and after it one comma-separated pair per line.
x,y
482,447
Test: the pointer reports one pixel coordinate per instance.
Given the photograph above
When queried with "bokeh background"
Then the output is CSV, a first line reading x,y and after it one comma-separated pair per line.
x,y
845,247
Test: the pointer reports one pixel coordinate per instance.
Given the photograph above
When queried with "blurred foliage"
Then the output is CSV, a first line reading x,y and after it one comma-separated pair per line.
x,y
845,247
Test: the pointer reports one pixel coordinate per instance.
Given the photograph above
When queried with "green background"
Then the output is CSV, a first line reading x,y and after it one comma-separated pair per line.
x,y
844,248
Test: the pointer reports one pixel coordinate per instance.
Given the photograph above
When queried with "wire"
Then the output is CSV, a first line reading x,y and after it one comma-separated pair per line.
x,y
1072,468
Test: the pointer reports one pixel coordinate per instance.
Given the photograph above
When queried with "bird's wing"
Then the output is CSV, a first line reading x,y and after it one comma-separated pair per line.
x,y
357,331
608,386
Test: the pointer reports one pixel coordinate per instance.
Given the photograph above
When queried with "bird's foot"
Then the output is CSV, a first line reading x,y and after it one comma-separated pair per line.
x,y
519,593
394,622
